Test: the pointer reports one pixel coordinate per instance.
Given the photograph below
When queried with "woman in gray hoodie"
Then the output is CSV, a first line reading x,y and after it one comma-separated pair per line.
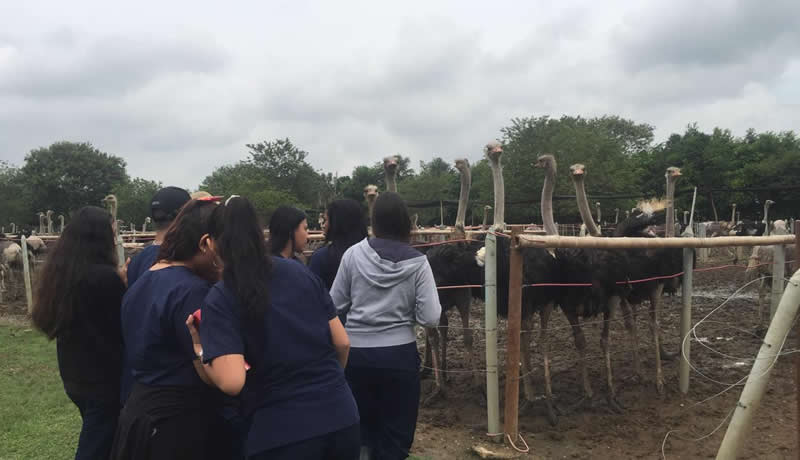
x,y
385,287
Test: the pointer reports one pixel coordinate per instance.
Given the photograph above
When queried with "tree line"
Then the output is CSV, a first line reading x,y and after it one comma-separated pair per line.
x,y
623,163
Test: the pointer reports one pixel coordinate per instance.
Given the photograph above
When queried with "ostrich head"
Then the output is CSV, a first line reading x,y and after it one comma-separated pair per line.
x,y
673,173
49,214
493,150
578,171
371,192
547,162
462,165
390,164
768,203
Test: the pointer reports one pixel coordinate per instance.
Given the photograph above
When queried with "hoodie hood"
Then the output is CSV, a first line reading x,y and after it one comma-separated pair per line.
x,y
386,263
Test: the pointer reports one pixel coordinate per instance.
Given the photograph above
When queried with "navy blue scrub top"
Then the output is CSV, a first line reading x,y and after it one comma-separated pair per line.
x,y
158,347
296,388
142,262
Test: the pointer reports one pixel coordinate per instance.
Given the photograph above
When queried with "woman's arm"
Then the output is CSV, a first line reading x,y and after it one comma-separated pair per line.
x,y
340,291
226,372
428,309
341,342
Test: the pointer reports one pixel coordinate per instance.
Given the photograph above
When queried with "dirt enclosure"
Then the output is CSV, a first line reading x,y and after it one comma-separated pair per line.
x,y
450,427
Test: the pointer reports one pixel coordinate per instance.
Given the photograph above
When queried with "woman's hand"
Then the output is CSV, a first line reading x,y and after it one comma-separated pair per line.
x,y
198,347
123,272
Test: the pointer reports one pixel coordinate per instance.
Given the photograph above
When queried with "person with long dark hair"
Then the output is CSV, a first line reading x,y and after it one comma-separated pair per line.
x,y
385,287
277,317
171,412
78,300
344,226
288,232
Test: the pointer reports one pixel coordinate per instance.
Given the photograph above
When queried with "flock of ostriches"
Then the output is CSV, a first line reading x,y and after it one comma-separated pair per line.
x,y
596,272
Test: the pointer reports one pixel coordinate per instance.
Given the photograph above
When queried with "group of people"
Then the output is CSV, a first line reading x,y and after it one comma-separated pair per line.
x,y
214,343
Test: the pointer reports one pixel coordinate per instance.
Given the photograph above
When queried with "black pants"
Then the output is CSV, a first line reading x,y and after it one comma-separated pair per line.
x,y
339,445
388,400
99,423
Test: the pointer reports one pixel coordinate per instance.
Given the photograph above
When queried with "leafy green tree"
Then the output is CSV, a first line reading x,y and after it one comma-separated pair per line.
x,y
436,181
134,199
68,175
14,206
284,165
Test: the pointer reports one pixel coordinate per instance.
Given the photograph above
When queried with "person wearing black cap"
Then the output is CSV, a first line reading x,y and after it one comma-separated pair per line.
x,y
163,208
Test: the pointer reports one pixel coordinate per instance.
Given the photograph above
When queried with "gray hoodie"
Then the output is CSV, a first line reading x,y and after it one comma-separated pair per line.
x,y
385,287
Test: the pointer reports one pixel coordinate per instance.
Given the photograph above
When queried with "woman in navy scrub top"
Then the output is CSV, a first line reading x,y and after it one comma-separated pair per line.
x,y
171,412
277,316
288,232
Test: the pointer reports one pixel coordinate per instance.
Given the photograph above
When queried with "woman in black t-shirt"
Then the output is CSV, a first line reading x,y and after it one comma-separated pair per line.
x,y
345,226
77,303
288,232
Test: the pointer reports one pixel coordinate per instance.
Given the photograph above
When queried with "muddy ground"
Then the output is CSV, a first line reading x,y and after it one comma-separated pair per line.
x,y
449,428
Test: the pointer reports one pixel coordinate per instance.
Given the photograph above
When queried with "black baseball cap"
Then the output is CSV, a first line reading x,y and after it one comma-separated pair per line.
x,y
167,202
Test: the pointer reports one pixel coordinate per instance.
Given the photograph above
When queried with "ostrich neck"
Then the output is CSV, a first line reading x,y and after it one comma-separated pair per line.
x,y
583,207
733,216
463,197
766,219
669,231
547,202
499,193
485,216
391,183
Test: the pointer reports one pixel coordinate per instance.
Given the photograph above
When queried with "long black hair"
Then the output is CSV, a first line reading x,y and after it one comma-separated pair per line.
x,y
87,240
346,227
390,218
182,239
282,225
240,244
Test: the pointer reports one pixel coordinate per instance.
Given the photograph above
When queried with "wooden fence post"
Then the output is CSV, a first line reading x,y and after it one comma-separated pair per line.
x,y
686,316
26,274
778,272
797,356
490,312
511,422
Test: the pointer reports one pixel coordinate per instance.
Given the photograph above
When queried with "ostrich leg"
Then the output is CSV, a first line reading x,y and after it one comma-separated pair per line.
x,y
443,329
525,354
608,316
438,391
633,333
463,305
427,362
655,327
580,343
545,343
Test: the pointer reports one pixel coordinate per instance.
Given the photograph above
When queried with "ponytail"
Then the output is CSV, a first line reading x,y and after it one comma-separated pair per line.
x,y
240,244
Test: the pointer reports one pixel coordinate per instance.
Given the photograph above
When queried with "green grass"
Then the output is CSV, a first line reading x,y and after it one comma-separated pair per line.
x,y
37,420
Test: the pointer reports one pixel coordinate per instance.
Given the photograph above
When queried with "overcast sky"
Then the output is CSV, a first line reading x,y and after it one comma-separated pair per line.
x,y
178,88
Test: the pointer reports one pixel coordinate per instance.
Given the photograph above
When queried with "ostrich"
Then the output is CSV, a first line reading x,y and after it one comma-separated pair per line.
x,y
390,171
649,263
49,217
370,194
453,265
111,204
767,205
607,267
41,215
146,222
599,215
759,265
616,216
486,210
61,223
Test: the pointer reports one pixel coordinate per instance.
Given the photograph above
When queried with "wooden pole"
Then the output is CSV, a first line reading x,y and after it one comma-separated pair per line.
x,y
490,312
26,273
771,347
703,252
797,339
536,241
778,272
513,344
686,314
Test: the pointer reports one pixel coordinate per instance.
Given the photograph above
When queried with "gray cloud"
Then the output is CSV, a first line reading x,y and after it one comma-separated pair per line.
x,y
352,83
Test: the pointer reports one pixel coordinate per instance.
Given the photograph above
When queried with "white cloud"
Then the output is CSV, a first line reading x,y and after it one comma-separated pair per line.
x,y
180,92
